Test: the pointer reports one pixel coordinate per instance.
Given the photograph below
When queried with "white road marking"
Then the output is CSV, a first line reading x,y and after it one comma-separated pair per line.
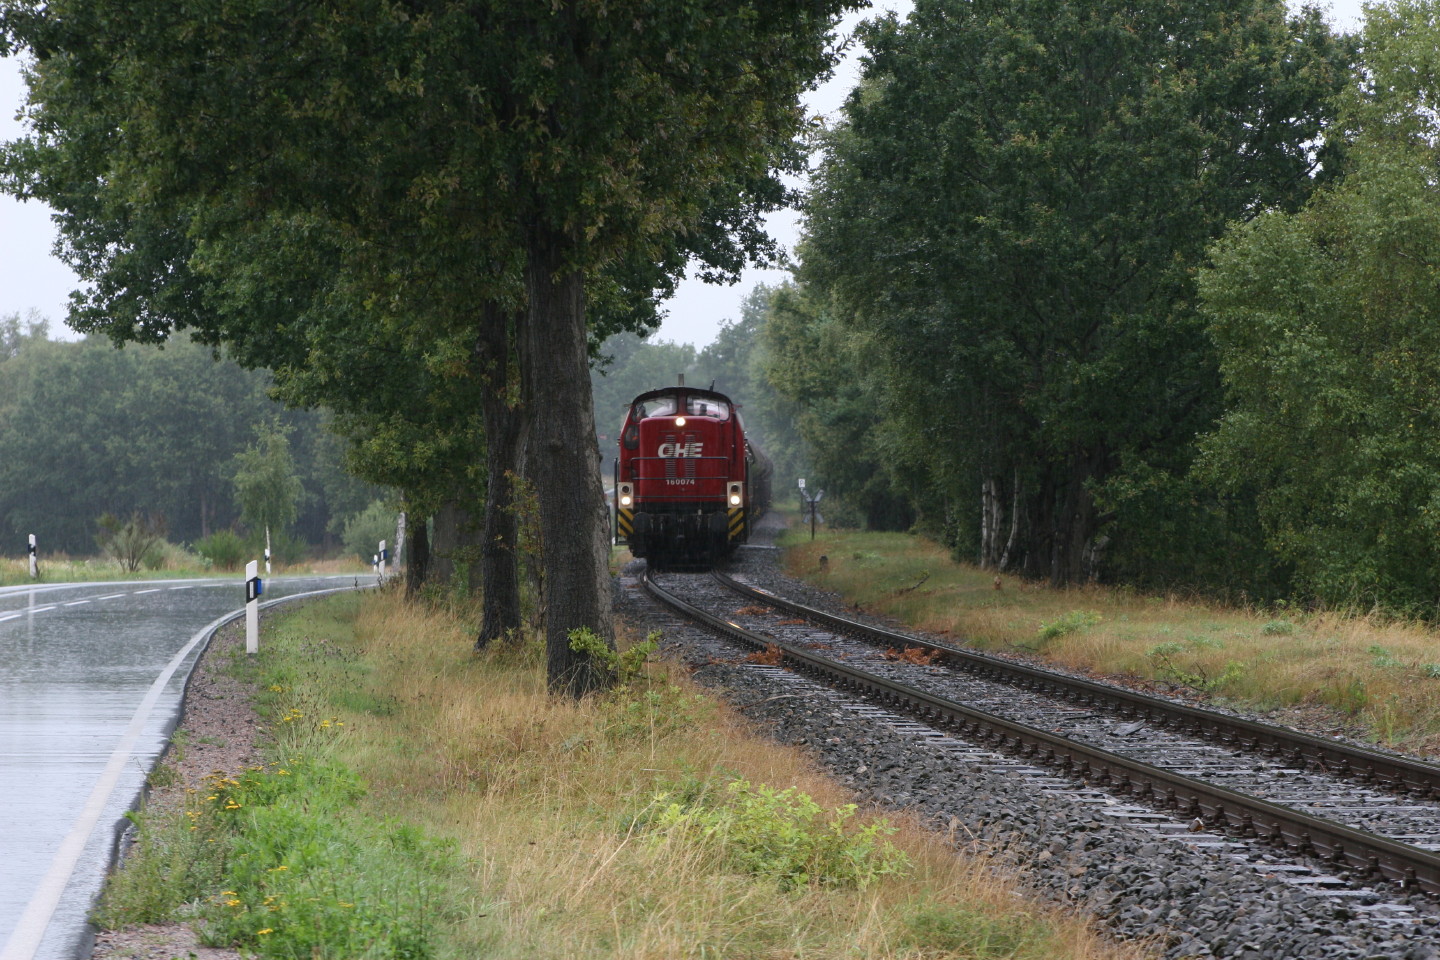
x,y
76,603
39,609
10,616
151,590
110,596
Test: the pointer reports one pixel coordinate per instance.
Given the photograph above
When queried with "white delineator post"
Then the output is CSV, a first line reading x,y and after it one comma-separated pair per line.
x,y
253,588
384,555
267,551
34,559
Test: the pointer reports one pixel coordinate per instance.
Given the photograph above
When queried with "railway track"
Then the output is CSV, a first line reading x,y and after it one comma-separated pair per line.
x,y
1368,813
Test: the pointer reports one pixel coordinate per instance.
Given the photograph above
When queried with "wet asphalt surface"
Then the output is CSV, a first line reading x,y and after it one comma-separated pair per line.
x,y
83,718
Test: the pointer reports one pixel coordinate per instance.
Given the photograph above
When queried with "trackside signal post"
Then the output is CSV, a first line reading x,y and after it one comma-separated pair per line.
x,y
254,586
808,501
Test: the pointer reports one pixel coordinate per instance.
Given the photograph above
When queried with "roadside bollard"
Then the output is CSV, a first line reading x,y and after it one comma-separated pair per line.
x,y
254,586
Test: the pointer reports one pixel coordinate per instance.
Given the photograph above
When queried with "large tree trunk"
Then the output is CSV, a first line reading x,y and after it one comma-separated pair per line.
x,y
1038,536
442,546
1062,519
417,565
504,437
453,546
555,374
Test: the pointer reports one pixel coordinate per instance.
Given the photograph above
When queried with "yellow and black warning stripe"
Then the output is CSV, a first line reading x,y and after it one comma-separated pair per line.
x,y
624,524
737,522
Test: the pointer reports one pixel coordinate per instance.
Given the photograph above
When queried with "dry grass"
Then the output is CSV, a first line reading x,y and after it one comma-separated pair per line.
x,y
543,794
1379,676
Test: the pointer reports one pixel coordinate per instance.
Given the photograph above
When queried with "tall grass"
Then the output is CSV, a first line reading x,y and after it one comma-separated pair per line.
x,y
648,823
1375,675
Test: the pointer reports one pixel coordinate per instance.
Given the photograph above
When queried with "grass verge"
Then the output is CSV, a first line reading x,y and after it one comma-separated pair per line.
x,y
178,564
1378,676
419,801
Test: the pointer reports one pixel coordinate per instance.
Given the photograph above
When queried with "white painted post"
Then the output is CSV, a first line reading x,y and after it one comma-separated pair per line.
x,y
34,560
383,557
267,550
253,587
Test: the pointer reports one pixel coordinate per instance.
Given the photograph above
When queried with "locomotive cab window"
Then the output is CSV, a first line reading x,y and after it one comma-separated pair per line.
x,y
658,407
683,404
707,407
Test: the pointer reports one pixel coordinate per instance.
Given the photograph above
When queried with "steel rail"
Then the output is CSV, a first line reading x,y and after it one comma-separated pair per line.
x,y
1366,853
1400,774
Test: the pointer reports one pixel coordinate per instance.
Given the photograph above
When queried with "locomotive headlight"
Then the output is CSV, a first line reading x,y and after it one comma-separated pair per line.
x,y
734,499
624,499
679,421
626,494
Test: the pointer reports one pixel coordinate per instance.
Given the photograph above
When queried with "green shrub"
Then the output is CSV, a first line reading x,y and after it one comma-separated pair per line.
x,y
780,835
223,548
1278,628
1072,622
364,531
1380,657
1168,667
623,667
129,541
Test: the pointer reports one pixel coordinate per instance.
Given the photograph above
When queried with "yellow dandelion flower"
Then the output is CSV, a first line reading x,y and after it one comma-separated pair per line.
x,y
279,868
261,933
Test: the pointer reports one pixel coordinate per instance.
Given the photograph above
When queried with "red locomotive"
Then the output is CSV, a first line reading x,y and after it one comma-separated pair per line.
x,y
689,485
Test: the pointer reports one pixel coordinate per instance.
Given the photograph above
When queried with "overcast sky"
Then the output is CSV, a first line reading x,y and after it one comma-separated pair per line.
x,y
31,278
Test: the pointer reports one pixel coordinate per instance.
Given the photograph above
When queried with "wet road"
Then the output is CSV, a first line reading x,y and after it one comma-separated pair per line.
x,y
91,677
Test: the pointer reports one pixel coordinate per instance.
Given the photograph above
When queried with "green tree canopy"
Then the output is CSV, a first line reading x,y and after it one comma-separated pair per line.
x,y
1328,324
419,173
822,367
1013,212
86,429
266,485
